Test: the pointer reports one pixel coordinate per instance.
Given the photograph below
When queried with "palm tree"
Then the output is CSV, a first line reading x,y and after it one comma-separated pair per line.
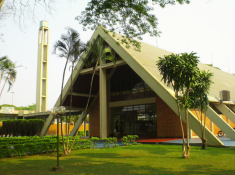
x,y
8,72
180,72
70,47
97,52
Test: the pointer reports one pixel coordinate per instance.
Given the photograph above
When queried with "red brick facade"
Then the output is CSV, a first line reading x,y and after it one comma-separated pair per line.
x,y
94,118
168,123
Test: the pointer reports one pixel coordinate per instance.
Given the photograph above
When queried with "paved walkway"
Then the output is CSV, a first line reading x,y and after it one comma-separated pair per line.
x,y
197,141
174,141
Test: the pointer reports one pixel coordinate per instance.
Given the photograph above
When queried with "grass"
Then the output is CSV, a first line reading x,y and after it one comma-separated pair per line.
x,y
139,159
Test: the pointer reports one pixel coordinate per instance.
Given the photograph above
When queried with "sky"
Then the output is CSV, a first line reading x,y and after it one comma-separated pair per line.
x,y
204,26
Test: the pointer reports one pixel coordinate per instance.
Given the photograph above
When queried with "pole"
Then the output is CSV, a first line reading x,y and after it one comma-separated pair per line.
x,y
58,142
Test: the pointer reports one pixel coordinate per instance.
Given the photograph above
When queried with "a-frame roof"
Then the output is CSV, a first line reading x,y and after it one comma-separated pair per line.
x,y
144,64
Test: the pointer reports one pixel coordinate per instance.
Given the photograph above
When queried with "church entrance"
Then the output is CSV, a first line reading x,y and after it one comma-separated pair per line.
x,y
135,120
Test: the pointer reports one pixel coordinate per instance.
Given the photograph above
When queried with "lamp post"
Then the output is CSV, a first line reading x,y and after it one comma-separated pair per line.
x,y
58,111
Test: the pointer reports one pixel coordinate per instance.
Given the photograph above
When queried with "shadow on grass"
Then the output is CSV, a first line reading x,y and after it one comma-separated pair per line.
x,y
155,149
104,166
118,161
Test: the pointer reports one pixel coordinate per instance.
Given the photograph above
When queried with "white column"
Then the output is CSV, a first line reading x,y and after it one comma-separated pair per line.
x,y
103,104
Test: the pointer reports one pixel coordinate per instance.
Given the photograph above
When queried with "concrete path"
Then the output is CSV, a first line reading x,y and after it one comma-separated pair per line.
x,y
197,141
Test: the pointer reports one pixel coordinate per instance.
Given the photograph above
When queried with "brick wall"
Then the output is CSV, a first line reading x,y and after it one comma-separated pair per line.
x,y
168,123
94,119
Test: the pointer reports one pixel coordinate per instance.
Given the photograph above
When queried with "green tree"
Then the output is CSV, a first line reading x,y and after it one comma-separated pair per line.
x,y
180,72
7,72
200,100
69,47
132,18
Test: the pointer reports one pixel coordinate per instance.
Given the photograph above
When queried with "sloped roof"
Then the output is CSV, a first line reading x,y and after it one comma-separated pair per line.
x,y
149,56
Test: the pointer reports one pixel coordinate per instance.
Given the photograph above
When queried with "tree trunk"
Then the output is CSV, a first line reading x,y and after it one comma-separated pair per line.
x,y
187,155
71,100
204,140
181,124
87,101
3,88
182,130
61,103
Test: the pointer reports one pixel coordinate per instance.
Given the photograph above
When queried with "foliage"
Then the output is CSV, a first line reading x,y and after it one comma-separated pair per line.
x,y
81,133
180,71
130,17
7,72
109,141
126,141
132,138
22,127
29,107
94,140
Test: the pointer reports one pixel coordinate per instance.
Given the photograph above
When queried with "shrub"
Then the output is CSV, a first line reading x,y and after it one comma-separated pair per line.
x,y
114,141
87,132
19,149
4,128
109,141
25,128
37,125
132,138
94,140
10,126
81,133
125,141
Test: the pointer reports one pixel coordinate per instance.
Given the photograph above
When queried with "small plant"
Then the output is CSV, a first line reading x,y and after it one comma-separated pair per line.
x,y
89,143
132,138
94,140
87,132
114,141
125,141
107,142
81,133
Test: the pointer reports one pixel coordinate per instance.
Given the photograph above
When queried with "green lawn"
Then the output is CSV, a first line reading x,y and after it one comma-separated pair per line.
x,y
139,159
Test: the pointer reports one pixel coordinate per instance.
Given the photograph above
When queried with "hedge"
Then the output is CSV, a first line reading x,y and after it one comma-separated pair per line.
x,y
21,127
19,146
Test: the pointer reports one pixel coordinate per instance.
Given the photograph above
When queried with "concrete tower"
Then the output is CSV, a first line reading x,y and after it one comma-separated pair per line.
x,y
42,70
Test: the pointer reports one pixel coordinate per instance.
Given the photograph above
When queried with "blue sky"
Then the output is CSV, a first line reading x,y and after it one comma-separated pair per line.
x,y
204,26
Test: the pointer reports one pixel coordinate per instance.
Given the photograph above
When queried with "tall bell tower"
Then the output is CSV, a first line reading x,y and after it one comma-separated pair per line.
x,y
42,67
